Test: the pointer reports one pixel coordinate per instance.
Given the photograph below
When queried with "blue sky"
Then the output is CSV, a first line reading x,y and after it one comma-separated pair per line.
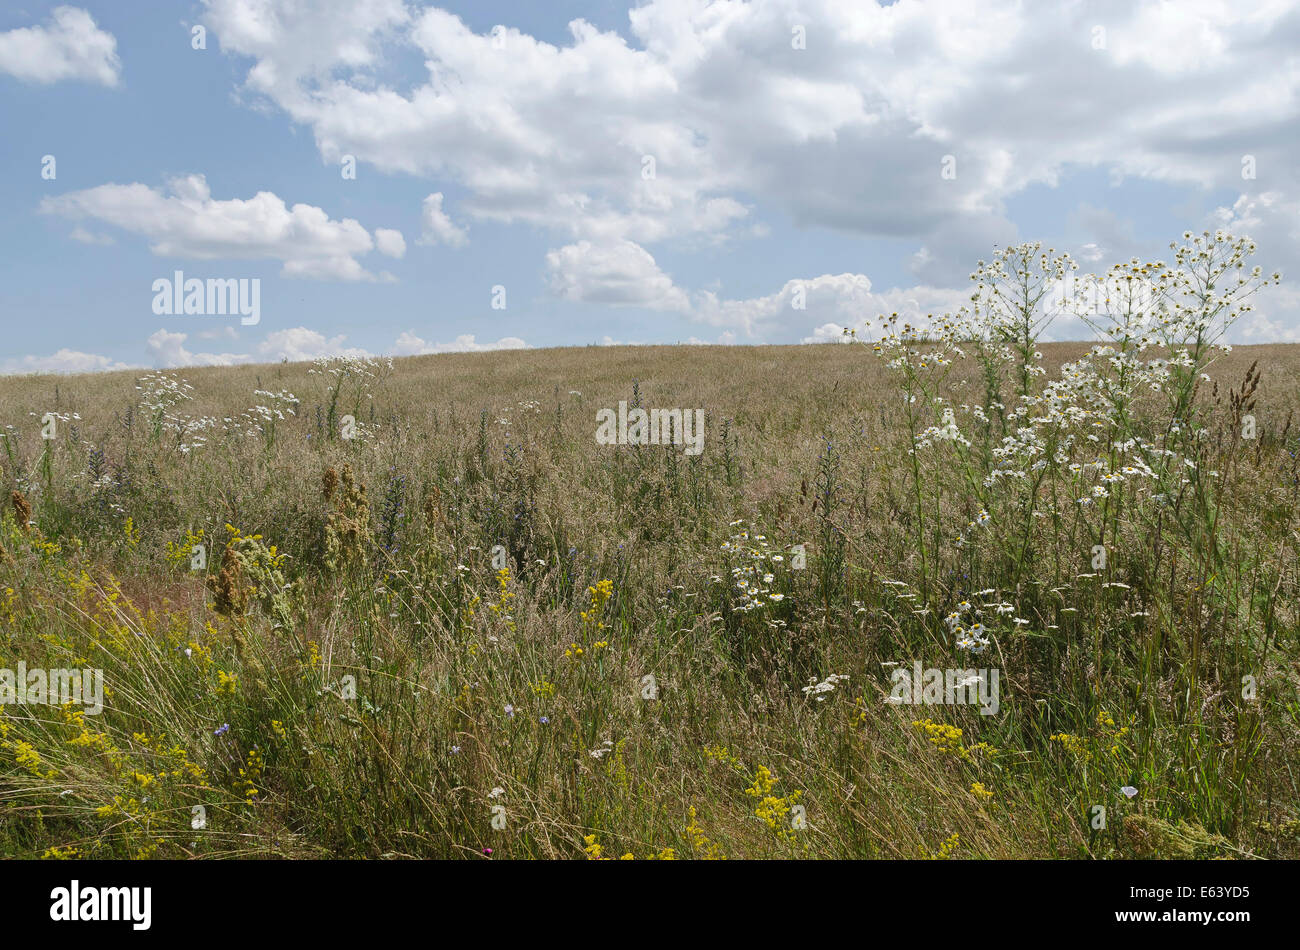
x,y
797,147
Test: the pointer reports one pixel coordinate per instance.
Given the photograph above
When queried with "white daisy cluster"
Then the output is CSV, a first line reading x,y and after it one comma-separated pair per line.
x,y
754,575
966,629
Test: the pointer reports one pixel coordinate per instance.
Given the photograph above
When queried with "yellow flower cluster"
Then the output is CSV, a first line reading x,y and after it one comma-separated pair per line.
x,y
946,849
501,608
7,598
858,716
704,848
1076,745
772,810
251,775
720,753
1106,735
25,754
595,852
179,553
201,653
591,622
600,595
948,739
1109,732
576,652
127,806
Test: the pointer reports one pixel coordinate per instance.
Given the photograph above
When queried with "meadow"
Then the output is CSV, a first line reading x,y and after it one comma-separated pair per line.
x,y
416,609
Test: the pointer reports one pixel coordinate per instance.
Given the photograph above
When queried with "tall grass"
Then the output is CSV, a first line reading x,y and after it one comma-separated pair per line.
x,y
470,630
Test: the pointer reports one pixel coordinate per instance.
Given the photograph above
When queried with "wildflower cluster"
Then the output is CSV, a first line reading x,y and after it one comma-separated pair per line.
x,y
773,810
948,740
181,552
1105,738
754,576
592,622
501,608
819,691
160,395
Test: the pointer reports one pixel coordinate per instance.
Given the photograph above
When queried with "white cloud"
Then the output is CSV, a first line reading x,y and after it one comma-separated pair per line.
x,y
332,33
438,228
167,349
186,221
64,361
832,302
1272,220
69,46
848,133
390,242
408,344
620,273
610,341
625,274
300,344
89,237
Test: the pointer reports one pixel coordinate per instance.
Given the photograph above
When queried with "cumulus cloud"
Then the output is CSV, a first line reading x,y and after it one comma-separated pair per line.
x,y
300,344
1272,220
184,220
167,350
620,273
852,133
408,344
63,361
68,46
437,227
390,242
623,274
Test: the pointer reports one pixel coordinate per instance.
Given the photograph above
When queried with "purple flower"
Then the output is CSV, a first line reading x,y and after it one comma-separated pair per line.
x,y
544,721
510,711
225,727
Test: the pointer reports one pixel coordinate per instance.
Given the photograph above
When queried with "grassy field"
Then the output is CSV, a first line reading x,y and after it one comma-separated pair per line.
x,y
470,629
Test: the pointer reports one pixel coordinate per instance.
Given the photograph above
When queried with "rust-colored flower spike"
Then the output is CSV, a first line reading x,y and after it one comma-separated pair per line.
x,y
433,506
329,482
230,598
22,510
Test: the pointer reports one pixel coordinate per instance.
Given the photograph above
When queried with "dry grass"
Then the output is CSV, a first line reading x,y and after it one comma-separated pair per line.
x,y
399,598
